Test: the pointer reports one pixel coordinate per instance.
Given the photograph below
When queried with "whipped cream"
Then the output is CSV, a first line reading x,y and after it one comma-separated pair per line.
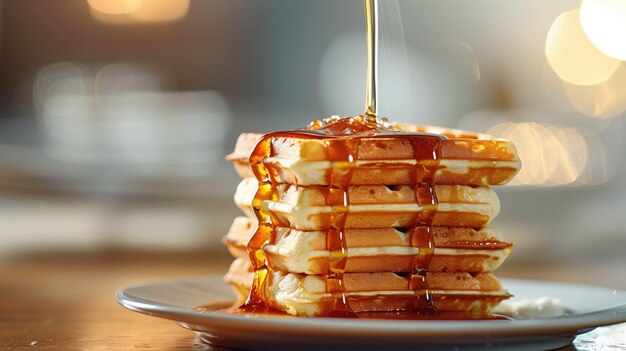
x,y
543,307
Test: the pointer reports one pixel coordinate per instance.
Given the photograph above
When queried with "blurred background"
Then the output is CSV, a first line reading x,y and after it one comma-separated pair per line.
x,y
115,115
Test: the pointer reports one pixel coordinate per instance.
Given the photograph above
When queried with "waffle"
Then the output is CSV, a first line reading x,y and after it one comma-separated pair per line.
x,y
307,295
456,249
359,217
238,235
239,277
464,158
374,206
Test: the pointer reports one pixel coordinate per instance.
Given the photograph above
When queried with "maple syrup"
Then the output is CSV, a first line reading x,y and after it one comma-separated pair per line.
x,y
371,68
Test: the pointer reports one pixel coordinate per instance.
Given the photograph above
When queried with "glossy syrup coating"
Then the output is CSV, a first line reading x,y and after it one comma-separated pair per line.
x,y
341,137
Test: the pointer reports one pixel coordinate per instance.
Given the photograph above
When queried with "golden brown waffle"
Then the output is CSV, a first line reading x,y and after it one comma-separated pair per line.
x,y
239,276
373,206
456,249
371,193
306,295
464,158
238,235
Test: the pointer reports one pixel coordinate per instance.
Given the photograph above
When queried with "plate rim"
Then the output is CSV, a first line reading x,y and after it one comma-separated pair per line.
x,y
566,326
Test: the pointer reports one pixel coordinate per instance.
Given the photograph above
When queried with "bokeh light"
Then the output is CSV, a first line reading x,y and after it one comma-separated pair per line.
x,y
120,114
604,100
119,78
599,170
62,88
604,22
115,7
569,154
573,57
551,155
138,11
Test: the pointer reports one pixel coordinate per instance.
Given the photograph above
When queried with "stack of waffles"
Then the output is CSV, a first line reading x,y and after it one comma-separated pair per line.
x,y
352,216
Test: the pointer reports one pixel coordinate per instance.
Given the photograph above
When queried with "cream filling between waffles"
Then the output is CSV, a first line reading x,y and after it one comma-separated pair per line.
x,y
306,217
297,247
302,214
314,172
302,294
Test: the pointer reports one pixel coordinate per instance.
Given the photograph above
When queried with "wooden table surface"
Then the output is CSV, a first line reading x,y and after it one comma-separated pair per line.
x,y
66,302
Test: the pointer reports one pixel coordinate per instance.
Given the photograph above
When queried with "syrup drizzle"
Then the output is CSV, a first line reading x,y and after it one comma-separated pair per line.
x,y
341,138
371,69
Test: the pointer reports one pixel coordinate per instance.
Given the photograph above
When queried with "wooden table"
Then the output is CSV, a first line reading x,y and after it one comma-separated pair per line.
x,y
66,302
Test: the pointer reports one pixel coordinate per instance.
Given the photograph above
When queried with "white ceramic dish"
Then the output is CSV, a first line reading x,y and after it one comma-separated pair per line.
x,y
177,300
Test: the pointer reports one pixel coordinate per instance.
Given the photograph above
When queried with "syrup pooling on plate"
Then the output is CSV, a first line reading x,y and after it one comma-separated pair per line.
x,y
341,138
397,315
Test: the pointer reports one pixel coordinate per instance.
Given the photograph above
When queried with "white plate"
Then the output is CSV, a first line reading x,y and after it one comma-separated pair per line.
x,y
177,300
